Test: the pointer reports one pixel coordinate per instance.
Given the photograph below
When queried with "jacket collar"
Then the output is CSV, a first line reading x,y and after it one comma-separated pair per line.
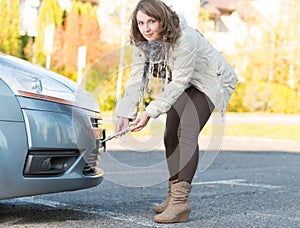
x,y
182,20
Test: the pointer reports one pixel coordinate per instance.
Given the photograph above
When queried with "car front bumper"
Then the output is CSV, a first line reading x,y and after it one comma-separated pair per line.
x,y
55,148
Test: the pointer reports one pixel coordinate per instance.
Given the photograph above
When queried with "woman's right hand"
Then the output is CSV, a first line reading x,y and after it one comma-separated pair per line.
x,y
122,123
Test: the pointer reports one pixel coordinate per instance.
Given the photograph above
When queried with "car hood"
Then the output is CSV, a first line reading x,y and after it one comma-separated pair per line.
x,y
27,79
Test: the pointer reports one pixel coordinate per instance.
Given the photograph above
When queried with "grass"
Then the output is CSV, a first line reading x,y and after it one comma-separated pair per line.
x,y
273,131
260,130
152,129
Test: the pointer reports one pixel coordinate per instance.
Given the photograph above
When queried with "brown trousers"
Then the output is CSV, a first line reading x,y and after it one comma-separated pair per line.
x,y
184,123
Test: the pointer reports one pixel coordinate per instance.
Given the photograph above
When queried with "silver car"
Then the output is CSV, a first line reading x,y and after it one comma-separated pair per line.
x,y
50,132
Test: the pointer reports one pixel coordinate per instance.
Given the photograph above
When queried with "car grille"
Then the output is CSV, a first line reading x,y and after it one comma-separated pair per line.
x,y
96,122
92,162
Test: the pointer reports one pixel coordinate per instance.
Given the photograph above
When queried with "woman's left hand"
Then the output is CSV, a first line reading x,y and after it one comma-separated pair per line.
x,y
140,122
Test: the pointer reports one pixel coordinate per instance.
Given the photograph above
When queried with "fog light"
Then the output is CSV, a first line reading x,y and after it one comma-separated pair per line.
x,y
41,163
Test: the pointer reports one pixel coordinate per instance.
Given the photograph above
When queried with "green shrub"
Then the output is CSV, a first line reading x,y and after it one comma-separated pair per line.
x,y
236,101
108,104
264,96
256,98
283,99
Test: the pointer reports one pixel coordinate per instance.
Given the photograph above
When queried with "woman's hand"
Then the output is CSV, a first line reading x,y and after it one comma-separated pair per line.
x,y
122,123
140,122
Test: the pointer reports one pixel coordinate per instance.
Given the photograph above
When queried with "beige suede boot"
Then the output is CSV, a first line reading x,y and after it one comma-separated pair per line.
x,y
178,209
161,207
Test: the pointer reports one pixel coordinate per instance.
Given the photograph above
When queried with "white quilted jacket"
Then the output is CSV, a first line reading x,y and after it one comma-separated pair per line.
x,y
193,61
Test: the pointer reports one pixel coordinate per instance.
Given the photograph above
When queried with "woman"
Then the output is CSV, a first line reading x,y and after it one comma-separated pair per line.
x,y
198,79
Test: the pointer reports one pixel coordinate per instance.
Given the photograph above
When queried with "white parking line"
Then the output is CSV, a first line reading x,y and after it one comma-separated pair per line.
x,y
111,215
237,182
132,219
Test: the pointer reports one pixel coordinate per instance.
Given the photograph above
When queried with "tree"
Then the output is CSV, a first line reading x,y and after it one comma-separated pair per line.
x,y
10,42
268,60
80,28
50,14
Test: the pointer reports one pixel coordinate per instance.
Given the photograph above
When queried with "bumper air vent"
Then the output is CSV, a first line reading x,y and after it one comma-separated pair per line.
x,y
49,163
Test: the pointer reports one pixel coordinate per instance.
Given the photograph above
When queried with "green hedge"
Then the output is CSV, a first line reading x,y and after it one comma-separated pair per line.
x,y
247,97
264,97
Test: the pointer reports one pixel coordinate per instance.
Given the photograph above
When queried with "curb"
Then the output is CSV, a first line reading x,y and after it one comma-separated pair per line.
x,y
230,143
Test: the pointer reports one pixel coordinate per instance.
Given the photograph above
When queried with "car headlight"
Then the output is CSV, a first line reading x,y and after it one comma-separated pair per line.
x,y
50,87
42,88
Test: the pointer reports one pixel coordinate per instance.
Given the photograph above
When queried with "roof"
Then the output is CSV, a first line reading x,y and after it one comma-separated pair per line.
x,y
93,2
225,7
223,4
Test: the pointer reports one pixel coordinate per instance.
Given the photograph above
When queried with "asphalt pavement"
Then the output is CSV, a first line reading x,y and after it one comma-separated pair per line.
x,y
241,182
239,190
